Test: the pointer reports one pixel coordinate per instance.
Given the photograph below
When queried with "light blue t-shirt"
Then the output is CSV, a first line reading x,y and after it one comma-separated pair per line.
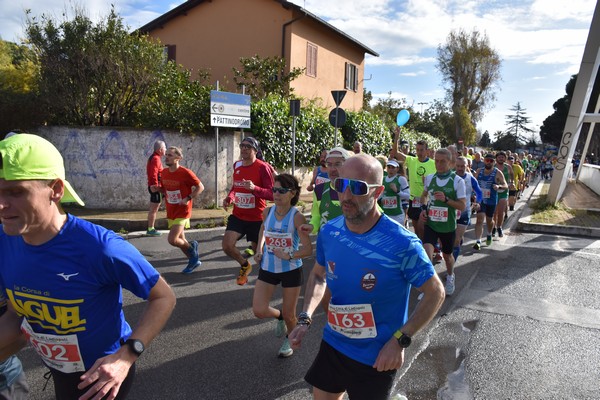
x,y
372,270
281,234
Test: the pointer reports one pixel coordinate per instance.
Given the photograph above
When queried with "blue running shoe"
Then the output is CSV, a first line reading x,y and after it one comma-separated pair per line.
x,y
191,267
194,258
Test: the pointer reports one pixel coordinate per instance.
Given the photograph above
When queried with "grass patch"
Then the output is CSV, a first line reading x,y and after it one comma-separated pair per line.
x,y
546,212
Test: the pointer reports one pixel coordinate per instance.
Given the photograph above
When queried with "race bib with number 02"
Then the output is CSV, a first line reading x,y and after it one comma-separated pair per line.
x,y
60,352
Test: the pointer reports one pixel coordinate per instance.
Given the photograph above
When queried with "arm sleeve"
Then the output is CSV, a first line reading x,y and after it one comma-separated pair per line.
x,y
265,190
404,192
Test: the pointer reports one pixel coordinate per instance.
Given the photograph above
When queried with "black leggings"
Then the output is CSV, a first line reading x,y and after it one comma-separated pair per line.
x,y
65,385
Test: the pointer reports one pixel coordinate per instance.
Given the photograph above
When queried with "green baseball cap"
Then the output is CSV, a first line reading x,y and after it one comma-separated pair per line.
x,y
31,157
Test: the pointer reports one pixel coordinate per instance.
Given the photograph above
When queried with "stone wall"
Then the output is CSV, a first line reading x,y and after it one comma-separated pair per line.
x,y
107,166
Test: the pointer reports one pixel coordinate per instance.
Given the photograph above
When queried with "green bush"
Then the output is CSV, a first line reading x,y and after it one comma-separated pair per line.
x,y
368,129
272,126
175,102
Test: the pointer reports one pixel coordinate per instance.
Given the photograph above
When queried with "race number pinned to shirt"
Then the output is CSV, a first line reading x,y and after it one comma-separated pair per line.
x,y
173,196
321,179
355,321
60,352
486,193
245,200
438,214
389,202
416,202
278,240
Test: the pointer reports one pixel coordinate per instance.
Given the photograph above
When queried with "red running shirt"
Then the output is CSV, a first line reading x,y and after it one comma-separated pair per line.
x,y
249,205
177,186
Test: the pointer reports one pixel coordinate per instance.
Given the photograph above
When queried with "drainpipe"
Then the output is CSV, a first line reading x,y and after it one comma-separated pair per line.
x,y
283,33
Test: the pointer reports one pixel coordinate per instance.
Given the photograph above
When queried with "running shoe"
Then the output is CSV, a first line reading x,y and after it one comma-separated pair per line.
x,y
193,252
153,232
500,233
285,350
450,287
488,240
437,257
191,267
245,270
248,252
280,328
477,246
494,232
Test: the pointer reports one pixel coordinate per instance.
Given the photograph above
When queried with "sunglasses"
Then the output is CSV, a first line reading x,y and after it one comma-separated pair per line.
x,y
281,190
246,146
357,188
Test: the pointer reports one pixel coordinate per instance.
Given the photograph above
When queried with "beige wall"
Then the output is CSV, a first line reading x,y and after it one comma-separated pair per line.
x,y
332,54
215,34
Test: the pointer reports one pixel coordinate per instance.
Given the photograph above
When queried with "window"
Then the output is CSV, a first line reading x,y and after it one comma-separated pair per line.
x,y
351,81
169,52
311,60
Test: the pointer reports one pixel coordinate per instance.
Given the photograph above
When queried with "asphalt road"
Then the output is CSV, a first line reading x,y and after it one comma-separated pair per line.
x,y
523,324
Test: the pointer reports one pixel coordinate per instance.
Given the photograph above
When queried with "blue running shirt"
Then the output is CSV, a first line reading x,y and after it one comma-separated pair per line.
x,y
369,276
69,291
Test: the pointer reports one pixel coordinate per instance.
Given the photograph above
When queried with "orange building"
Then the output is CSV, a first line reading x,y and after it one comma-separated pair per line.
x,y
214,34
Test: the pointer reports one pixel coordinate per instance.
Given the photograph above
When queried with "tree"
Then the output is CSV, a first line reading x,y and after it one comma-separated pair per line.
x,y
264,76
471,69
18,88
552,129
517,126
485,140
92,74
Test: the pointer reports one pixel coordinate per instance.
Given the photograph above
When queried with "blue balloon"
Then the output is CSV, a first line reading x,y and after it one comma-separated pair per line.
x,y
403,117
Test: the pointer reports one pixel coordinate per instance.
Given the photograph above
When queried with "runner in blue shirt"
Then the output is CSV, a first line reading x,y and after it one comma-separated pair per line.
x,y
64,277
369,263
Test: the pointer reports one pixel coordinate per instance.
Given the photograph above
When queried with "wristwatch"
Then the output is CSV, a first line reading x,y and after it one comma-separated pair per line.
x,y
403,340
136,345
291,256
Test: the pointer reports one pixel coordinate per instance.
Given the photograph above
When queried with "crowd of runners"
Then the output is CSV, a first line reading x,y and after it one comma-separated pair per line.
x,y
381,224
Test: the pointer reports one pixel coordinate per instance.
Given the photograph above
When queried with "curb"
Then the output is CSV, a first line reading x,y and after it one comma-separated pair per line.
x,y
524,223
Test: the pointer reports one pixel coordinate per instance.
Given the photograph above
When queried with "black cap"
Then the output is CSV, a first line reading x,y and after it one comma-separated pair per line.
x,y
489,155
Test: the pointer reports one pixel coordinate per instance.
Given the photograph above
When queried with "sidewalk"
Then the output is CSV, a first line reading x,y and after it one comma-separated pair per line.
x,y
134,222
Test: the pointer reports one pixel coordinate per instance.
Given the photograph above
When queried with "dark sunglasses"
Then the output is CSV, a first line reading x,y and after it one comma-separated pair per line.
x,y
357,188
281,190
245,146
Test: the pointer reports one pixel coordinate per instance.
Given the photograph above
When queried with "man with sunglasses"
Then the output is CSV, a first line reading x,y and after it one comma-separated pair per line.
x,y
490,181
252,187
445,196
368,263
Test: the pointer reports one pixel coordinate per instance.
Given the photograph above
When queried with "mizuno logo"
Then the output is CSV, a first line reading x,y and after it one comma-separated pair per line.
x,y
67,277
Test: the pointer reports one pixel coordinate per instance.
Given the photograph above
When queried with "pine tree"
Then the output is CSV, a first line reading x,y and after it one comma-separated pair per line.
x,y
517,126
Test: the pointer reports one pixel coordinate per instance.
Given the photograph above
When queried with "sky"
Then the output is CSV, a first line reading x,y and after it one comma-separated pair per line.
x,y
540,42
